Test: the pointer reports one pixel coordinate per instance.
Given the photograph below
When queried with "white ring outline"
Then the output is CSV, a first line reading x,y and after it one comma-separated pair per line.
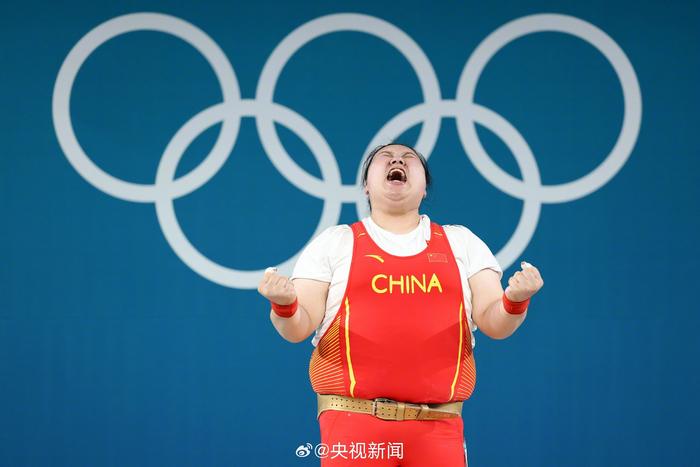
x,y
632,106
517,145
165,209
292,43
129,191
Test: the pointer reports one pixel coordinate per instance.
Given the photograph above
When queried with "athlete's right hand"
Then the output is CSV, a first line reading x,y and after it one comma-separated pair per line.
x,y
276,288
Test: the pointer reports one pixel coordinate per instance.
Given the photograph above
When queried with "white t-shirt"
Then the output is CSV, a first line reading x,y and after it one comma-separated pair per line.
x,y
327,258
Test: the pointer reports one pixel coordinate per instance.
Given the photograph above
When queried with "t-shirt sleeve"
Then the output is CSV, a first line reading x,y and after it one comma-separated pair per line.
x,y
478,254
314,261
480,258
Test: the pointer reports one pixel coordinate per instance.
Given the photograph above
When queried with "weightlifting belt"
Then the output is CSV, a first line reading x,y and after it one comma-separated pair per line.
x,y
388,409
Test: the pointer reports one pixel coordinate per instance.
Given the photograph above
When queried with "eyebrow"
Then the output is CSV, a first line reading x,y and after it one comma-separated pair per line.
x,y
388,152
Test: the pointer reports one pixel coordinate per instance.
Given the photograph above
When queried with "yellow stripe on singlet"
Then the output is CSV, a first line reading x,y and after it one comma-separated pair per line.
x,y
459,354
347,346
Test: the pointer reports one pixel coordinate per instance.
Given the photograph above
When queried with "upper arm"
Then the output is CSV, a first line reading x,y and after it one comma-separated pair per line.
x,y
481,269
312,295
313,273
486,289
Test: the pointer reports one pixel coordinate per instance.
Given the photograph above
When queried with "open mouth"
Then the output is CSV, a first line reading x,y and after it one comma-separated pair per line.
x,y
396,176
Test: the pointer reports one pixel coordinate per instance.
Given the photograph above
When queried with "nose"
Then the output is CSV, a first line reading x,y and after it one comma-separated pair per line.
x,y
398,160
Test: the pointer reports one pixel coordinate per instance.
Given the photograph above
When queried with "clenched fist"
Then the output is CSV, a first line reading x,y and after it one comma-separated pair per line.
x,y
276,288
524,284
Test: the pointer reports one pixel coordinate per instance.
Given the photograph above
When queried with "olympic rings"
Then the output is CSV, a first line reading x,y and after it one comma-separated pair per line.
x,y
329,187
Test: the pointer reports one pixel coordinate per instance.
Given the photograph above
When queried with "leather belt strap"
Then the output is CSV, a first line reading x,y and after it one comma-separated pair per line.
x,y
388,409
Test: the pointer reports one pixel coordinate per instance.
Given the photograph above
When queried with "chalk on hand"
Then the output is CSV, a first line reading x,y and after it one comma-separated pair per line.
x,y
271,269
525,264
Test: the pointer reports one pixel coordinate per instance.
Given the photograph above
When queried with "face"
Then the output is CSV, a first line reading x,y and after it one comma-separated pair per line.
x,y
395,179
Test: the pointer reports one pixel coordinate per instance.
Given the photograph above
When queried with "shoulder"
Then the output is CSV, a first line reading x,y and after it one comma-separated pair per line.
x,y
466,245
330,239
455,228
335,233
321,255
458,234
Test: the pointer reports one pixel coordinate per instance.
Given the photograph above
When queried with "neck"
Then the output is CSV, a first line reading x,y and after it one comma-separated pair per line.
x,y
396,223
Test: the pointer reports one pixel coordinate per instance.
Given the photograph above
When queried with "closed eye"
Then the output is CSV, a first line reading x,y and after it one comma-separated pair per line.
x,y
407,154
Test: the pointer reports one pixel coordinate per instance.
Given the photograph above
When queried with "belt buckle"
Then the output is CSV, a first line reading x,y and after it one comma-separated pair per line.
x,y
384,400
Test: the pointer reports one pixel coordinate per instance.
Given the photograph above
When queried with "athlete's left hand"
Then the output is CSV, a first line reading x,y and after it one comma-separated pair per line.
x,y
524,284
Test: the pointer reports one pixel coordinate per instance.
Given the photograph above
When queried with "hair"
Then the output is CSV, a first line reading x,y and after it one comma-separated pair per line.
x,y
370,156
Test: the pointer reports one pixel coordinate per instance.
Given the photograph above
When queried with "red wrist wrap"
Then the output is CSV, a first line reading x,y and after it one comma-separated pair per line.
x,y
515,308
285,311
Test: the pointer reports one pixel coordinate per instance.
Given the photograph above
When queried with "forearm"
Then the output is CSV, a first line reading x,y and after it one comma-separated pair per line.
x,y
294,329
498,323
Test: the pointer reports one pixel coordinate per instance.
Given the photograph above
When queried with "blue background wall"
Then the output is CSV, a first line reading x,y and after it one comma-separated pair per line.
x,y
115,352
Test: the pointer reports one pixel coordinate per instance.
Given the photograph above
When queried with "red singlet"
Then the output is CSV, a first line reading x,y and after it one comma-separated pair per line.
x,y
401,333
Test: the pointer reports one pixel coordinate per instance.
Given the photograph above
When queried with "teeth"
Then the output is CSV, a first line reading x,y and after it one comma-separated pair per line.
x,y
394,171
